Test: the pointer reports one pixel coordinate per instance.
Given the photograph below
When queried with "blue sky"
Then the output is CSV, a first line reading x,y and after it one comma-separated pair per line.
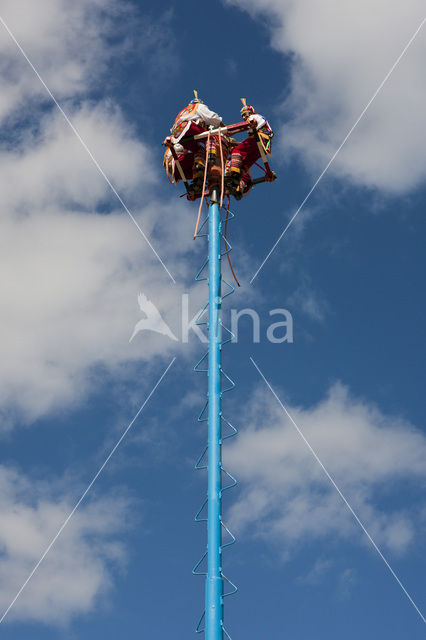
x,y
350,270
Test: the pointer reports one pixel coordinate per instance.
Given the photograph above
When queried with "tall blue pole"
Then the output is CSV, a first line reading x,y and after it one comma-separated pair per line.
x,y
214,581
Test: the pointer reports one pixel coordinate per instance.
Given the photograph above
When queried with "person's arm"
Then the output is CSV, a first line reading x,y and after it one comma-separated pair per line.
x,y
257,120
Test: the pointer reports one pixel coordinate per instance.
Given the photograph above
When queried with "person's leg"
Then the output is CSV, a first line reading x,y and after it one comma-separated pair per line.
x,y
198,174
197,154
211,150
243,187
218,153
249,153
199,163
246,184
186,161
193,145
243,156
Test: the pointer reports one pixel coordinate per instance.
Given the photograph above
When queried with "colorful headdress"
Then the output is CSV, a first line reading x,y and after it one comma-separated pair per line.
x,y
247,108
196,98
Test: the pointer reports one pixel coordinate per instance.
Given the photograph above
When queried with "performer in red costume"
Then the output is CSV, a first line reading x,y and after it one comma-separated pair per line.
x,y
192,120
245,154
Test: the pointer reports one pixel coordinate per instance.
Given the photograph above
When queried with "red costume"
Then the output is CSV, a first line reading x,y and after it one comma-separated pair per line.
x,y
188,153
247,152
192,120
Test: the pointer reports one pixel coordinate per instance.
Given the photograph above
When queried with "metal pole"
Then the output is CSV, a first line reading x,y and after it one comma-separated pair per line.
x,y
214,581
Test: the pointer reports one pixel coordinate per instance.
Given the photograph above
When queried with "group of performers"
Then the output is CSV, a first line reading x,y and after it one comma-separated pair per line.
x,y
185,157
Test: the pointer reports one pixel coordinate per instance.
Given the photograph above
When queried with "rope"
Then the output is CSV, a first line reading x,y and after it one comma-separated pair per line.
x,y
167,161
260,167
171,172
226,245
222,168
204,186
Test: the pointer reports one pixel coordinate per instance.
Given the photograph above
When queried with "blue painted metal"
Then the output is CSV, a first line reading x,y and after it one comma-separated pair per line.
x,y
219,429
214,581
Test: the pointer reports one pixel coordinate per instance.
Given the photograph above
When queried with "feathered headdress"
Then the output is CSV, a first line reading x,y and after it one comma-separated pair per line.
x,y
196,98
247,108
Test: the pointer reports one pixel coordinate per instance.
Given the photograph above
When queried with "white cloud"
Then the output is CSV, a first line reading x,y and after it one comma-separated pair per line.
x,y
65,42
78,571
287,497
72,264
51,168
316,573
305,299
345,583
70,293
340,53
72,261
